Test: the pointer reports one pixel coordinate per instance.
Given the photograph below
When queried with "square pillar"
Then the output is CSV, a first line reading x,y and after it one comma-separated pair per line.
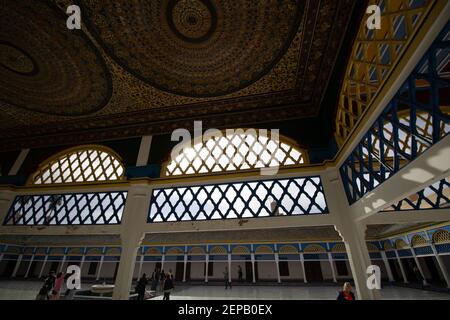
x,y
100,265
132,233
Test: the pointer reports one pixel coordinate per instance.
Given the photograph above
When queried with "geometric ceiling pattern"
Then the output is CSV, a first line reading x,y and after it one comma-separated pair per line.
x,y
148,67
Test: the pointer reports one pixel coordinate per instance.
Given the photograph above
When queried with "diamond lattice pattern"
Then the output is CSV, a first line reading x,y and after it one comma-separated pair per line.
x,y
294,196
67,209
80,166
236,150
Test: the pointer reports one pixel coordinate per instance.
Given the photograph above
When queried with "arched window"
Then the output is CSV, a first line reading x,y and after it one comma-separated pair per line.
x,y
240,250
80,164
197,250
264,250
400,244
372,248
418,241
288,249
339,248
218,250
441,236
235,149
314,248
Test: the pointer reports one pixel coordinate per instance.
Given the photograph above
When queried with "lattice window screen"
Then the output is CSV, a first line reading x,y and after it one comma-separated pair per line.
x,y
374,54
239,150
88,165
413,121
67,209
436,196
441,236
293,196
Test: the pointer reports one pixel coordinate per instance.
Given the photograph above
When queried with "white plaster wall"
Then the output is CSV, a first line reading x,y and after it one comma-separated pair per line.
x,y
218,269
295,271
267,271
326,271
197,272
108,269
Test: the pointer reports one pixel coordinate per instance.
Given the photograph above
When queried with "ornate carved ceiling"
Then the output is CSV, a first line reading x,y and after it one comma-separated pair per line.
x,y
147,67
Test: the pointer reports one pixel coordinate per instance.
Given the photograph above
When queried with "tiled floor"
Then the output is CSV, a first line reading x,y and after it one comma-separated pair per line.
x,y
26,290
293,293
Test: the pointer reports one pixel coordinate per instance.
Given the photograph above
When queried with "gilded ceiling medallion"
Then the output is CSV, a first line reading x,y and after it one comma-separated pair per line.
x,y
46,68
195,48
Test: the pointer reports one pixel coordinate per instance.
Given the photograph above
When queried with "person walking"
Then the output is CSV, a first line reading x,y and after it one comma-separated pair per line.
x,y
226,276
162,277
346,294
168,285
154,280
48,285
141,286
59,281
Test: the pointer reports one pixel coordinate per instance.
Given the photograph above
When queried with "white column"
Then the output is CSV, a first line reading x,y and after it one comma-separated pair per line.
x,y
141,262
229,267
130,246
82,262
441,265
184,267
163,259
43,266
100,265
439,260
207,268
131,236
302,262
402,270
144,151
278,267
62,264
19,161
29,267
353,233
333,271
358,257
388,267
419,267
16,268
253,267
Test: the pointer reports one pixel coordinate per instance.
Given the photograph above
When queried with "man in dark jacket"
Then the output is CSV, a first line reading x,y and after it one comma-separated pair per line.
x,y
168,286
141,286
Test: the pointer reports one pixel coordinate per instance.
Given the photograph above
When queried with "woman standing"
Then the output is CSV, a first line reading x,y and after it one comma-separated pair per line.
x,y
346,294
58,285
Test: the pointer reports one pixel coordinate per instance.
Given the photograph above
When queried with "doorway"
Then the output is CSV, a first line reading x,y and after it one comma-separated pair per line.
x,y
313,271
179,270
248,272
395,270
408,265
9,268
434,272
